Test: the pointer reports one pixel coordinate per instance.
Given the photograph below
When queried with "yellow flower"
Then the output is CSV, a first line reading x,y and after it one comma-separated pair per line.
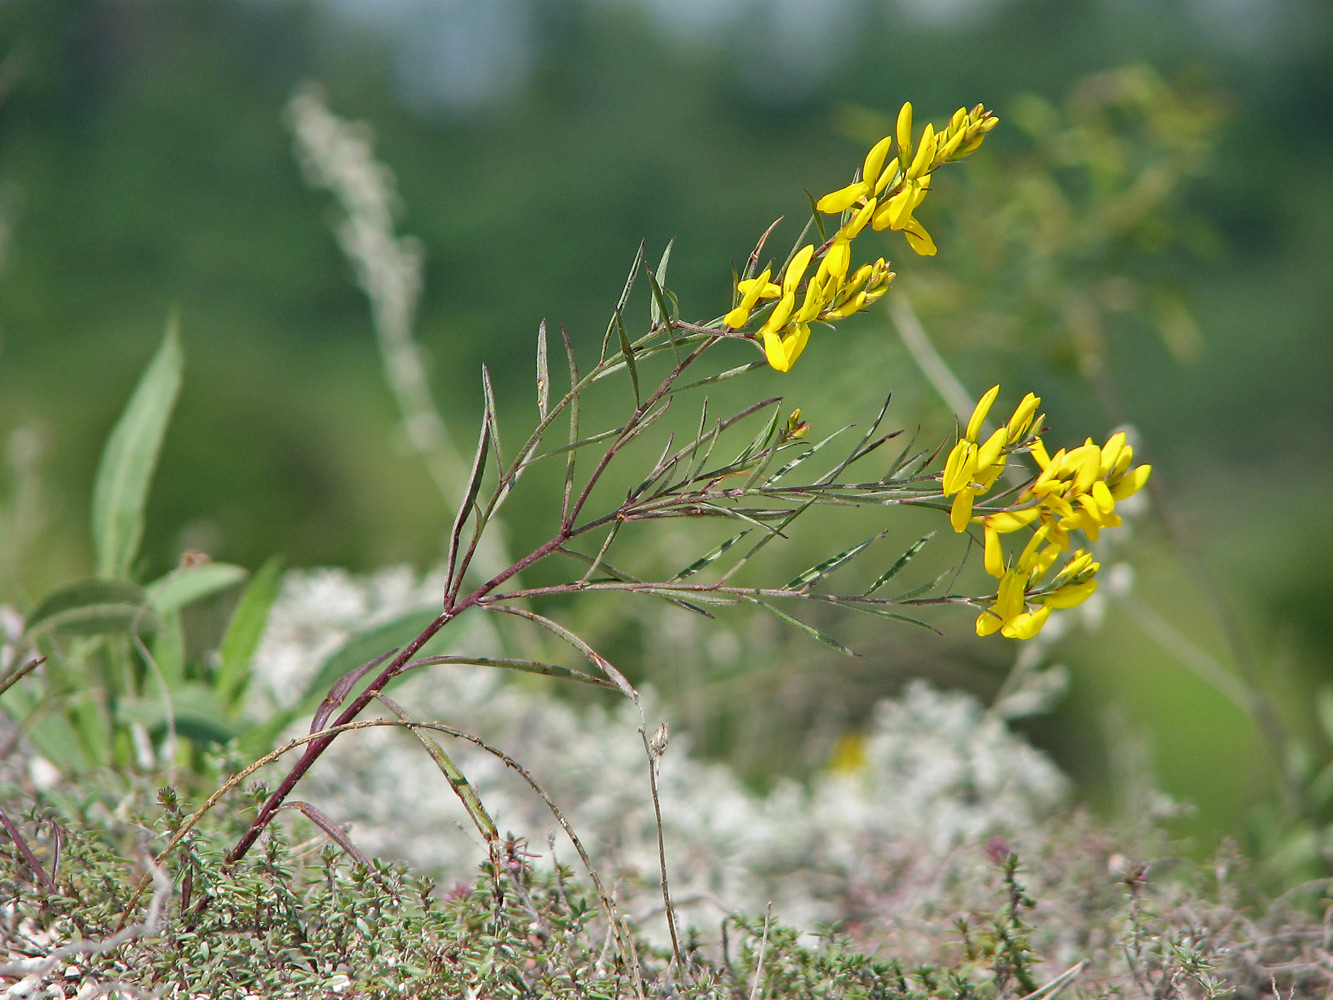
x,y
752,291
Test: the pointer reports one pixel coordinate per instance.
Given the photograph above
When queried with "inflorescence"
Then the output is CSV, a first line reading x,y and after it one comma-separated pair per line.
x,y
883,196
1075,491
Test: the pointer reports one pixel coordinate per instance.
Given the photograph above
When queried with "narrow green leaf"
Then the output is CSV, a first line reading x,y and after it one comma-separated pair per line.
x,y
195,713
809,630
624,296
243,633
543,373
628,351
872,609
508,663
93,607
925,588
807,453
719,377
661,308
819,219
469,499
492,418
660,313
126,468
168,650
565,510
595,658
822,569
860,450
710,557
457,779
900,562
185,585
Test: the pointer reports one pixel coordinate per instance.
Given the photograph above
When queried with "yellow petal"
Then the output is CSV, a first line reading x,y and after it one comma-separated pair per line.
x,y
1132,483
918,239
796,269
794,343
957,471
735,319
988,623
994,560
774,352
1021,421
1011,520
925,153
842,199
875,160
887,177
979,413
1070,596
905,131
1026,625
961,511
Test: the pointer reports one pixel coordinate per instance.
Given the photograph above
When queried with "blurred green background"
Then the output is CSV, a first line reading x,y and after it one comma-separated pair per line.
x,y
145,165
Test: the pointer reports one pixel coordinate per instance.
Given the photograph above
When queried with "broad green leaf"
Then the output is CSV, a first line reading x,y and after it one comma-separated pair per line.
x,y
126,469
365,646
243,633
182,587
900,562
93,607
195,713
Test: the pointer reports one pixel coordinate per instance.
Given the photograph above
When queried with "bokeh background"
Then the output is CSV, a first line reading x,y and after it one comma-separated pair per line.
x,y
1147,239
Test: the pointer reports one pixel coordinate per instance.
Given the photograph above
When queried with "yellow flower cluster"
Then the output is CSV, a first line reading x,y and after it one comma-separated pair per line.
x,y
885,196
829,295
1074,491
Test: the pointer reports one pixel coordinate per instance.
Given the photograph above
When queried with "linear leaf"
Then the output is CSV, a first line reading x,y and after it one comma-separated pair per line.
x,y
661,307
543,373
900,562
795,462
627,349
871,609
458,781
719,377
710,557
815,214
595,658
508,663
492,418
659,313
574,413
821,569
925,588
469,498
125,471
624,296
809,630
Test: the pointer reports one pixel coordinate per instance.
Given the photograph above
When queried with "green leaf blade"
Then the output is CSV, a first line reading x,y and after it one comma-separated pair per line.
x,y
125,471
